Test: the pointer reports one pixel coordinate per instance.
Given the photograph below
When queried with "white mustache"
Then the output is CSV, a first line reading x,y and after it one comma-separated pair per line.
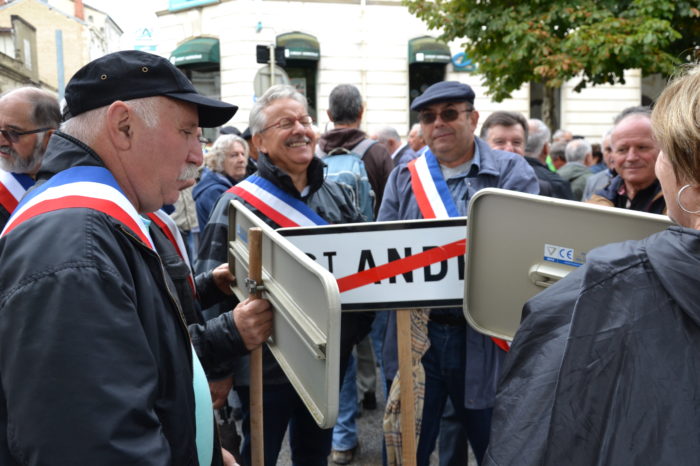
x,y
188,172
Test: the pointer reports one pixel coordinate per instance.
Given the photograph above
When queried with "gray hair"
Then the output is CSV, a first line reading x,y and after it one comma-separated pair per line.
x,y
537,137
257,120
577,149
221,148
386,134
559,134
558,151
45,109
85,126
345,104
418,127
630,111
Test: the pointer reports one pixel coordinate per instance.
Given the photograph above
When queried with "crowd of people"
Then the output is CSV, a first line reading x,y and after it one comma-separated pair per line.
x,y
119,332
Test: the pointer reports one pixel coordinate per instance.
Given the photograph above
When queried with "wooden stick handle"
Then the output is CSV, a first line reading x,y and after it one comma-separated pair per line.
x,y
408,407
256,382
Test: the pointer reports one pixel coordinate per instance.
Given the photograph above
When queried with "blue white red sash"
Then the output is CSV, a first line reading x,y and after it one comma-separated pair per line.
x,y
434,198
430,189
12,188
280,207
81,187
167,225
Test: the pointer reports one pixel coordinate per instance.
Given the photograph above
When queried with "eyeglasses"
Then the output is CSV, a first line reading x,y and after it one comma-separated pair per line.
x,y
287,123
14,135
447,115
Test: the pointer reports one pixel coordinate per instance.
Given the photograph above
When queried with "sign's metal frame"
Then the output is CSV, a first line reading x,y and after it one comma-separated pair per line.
x,y
519,244
306,303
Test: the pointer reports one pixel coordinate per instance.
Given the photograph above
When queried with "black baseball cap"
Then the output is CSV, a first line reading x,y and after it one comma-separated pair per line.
x,y
444,91
132,74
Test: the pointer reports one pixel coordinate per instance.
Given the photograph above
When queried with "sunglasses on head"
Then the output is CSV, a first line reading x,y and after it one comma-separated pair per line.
x,y
14,135
446,115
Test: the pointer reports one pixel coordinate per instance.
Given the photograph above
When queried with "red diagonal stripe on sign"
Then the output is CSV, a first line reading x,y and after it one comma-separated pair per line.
x,y
404,265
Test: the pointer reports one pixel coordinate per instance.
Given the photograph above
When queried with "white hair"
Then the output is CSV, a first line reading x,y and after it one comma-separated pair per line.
x,y
577,149
85,126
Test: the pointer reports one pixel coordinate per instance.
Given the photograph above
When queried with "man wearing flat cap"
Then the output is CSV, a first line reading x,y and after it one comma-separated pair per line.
x,y
95,359
458,361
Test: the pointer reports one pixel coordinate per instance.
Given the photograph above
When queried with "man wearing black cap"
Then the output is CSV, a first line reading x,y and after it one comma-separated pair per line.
x,y
95,359
459,362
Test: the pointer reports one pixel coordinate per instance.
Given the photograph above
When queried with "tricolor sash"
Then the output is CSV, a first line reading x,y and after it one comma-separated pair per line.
x,y
277,205
434,199
166,224
430,189
81,187
12,188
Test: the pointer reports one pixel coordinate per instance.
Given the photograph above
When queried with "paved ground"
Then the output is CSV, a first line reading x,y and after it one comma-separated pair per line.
x,y
369,427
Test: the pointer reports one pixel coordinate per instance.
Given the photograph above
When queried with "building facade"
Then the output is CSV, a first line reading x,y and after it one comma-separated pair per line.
x,y
66,40
18,55
376,45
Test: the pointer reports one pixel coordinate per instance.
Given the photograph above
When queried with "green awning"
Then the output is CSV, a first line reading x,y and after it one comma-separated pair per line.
x,y
200,52
428,50
299,46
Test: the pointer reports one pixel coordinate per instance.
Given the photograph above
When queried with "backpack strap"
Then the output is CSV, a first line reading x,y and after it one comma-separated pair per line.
x,y
363,146
342,151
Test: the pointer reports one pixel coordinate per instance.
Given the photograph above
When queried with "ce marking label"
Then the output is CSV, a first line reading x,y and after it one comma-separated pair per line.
x,y
558,252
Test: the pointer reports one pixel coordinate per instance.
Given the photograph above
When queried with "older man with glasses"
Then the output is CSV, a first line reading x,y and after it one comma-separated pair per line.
x,y
288,189
28,117
455,167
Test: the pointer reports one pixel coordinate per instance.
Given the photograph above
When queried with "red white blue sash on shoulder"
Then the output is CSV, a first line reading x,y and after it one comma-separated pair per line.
x,y
81,187
430,189
279,206
434,198
12,188
167,225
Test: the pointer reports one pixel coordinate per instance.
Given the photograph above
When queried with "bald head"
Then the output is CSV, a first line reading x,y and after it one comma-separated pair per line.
x,y
28,117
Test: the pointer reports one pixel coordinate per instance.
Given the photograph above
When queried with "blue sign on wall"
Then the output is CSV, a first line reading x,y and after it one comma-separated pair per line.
x,y
175,5
461,62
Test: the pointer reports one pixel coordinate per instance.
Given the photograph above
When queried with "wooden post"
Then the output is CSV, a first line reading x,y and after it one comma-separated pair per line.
x,y
256,382
408,406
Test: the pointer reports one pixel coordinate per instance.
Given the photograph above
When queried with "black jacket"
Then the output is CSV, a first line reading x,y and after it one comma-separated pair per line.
x,y
551,184
331,201
95,358
650,199
216,341
603,368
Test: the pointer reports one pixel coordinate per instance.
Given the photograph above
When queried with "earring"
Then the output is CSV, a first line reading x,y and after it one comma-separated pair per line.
x,y
680,204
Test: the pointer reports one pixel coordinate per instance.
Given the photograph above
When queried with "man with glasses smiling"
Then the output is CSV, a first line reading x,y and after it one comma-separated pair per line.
x,y
288,189
460,362
28,117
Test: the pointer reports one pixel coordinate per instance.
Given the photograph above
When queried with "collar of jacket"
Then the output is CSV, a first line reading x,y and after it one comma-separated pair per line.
x,y
314,173
63,152
485,163
673,255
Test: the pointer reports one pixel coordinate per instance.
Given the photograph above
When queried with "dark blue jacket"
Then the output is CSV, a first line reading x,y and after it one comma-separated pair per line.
x,y
205,193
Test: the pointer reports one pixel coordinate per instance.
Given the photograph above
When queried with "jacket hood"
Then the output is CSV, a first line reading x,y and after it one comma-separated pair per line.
x,y
63,152
675,257
346,138
573,170
208,180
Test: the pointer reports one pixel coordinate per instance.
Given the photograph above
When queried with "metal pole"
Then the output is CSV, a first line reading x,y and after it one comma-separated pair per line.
x,y
272,65
256,379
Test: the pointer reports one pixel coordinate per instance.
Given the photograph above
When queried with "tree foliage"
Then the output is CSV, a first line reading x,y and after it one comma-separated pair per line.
x,y
552,41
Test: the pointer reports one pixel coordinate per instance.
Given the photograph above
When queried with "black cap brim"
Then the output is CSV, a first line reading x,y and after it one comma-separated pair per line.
x,y
212,113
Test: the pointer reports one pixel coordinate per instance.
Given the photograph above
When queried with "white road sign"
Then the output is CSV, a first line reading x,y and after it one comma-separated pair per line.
x,y
390,265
